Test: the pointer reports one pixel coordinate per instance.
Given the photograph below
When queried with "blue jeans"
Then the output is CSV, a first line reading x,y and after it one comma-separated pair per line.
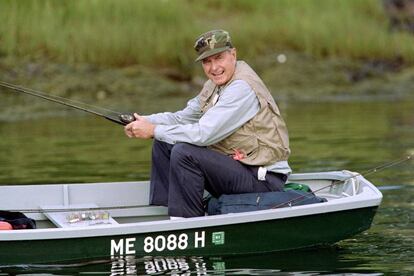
x,y
181,172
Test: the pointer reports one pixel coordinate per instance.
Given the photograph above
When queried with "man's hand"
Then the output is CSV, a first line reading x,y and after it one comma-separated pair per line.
x,y
140,128
238,155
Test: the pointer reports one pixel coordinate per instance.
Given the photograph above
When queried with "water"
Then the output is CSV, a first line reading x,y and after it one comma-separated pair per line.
x,y
352,135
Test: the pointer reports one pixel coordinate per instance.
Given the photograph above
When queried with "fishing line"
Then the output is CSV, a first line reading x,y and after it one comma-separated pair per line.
x,y
336,182
122,119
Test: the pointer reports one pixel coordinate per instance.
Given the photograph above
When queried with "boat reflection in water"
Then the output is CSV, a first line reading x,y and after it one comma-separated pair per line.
x,y
181,266
316,261
130,265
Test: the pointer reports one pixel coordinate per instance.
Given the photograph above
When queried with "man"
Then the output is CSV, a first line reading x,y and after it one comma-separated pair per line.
x,y
229,139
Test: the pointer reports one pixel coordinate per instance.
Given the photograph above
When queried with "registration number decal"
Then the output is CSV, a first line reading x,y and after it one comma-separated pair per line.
x,y
159,243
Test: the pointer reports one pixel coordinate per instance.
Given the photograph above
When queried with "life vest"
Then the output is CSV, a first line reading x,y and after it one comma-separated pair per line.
x,y
264,139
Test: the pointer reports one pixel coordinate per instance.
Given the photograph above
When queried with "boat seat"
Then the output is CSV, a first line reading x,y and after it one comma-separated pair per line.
x,y
77,215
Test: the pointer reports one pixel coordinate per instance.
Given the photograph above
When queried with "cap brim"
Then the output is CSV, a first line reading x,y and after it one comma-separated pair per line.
x,y
211,52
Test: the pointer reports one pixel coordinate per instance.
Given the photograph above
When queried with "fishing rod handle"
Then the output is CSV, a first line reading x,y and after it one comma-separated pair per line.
x,y
127,118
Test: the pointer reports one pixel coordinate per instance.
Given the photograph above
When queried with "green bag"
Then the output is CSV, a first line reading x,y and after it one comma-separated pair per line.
x,y
297,187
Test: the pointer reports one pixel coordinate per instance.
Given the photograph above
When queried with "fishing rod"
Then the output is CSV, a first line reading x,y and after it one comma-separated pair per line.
x,y
122,119
336,182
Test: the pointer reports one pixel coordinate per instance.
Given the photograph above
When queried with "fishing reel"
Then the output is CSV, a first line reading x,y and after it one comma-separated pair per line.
x,y
126,118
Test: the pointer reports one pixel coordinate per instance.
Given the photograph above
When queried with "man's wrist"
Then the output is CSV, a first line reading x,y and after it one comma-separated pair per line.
x,y
152,132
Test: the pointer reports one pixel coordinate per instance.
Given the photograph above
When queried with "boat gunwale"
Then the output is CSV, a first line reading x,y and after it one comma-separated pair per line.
x,y
370,197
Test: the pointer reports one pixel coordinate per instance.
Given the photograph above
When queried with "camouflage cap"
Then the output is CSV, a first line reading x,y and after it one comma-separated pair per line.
x,y
211,43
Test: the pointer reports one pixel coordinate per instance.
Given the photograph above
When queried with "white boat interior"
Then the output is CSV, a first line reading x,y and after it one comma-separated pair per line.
x,y
57,205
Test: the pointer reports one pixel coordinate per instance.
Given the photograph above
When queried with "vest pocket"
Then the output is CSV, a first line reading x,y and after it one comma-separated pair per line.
x,y
248,145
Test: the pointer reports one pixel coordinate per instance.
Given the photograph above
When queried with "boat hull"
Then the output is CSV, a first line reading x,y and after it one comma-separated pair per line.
x,y
250,237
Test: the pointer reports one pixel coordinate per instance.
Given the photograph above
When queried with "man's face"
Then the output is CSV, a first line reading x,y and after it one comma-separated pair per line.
x,y
219,68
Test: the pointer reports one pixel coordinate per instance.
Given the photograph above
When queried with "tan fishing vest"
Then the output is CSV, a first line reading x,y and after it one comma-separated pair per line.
x,y
264,139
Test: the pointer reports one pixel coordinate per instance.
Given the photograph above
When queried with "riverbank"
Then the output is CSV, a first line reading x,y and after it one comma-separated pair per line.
x,y
291,76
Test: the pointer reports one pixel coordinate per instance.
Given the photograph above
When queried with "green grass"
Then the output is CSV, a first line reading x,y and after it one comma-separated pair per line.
x,y
160,33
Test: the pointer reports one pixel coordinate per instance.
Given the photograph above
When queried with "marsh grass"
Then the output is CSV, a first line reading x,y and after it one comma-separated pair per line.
x,y
160,33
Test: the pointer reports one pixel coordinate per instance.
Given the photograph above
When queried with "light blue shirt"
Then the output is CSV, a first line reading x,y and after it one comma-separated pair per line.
x,y
236,105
